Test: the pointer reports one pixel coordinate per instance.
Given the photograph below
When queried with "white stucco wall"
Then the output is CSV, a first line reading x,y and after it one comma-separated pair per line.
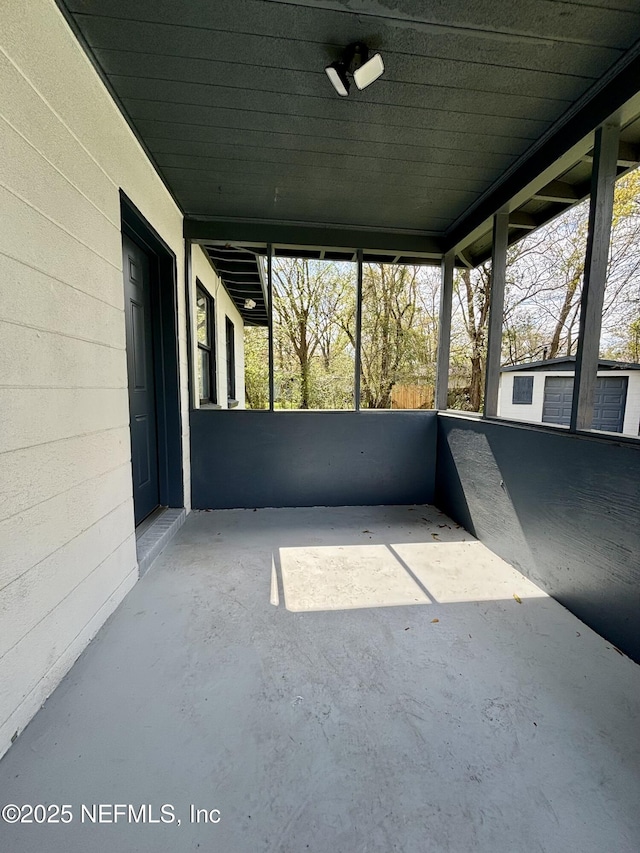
x,y
632,411
67,546
533,413
203,271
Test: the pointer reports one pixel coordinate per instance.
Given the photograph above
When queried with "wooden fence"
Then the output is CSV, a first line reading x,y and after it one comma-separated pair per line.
x,y
412,397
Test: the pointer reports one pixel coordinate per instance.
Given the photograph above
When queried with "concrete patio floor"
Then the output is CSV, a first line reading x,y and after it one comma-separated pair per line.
x,y
334,681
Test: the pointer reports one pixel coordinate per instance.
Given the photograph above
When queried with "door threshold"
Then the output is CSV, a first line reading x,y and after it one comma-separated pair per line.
x,y
146,522
154,534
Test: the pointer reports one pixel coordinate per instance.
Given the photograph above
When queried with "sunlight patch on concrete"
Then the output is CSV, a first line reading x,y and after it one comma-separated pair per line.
x,y
274,596
464,571
346,577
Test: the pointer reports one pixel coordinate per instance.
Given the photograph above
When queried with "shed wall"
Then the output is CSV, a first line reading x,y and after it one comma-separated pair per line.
x,y
533,413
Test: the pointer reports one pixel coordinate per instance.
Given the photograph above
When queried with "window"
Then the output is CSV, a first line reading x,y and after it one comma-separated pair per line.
x,y
522,390
231,360
205,313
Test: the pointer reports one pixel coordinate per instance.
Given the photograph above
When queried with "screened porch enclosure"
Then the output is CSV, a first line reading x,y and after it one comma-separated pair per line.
x,y
399,613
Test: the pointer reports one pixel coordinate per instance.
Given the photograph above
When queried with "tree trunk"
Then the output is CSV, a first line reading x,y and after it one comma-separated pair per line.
x,y
562,319
304,385
475,386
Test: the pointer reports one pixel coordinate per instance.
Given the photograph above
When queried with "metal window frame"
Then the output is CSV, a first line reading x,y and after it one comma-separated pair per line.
x,y
209,347
230,341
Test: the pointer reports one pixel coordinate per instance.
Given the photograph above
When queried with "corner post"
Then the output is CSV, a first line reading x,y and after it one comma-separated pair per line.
x,y
189,318
270,324
603,178
358,358
444,332
496,311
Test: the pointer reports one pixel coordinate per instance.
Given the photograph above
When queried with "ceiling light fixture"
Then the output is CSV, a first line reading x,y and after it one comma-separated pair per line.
x,y
337,73
369,72
249,304
356,61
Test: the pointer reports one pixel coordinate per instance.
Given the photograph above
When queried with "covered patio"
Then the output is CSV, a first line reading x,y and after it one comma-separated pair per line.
x,y
367,678
333,626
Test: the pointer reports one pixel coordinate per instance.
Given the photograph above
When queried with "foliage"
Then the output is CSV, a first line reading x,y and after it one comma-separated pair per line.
x,y
256,367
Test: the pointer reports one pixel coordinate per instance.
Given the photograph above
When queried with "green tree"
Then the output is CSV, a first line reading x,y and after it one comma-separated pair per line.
x,y
256,367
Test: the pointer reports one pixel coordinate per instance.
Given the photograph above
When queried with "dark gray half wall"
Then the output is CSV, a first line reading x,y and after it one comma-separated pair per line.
x,y
277,459
563,509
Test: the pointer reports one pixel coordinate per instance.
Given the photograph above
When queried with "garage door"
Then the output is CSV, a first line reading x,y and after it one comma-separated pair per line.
x,y
558,394
609,402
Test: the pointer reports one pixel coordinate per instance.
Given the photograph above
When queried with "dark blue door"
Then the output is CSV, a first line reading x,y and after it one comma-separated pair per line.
x,y
140,368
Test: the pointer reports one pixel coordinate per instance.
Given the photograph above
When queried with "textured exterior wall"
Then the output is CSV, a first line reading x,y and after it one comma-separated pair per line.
x,y
632,412
561,508
67,545
258,459
533,413
203,271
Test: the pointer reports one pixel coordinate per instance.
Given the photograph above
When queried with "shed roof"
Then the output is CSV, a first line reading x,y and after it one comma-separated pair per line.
x,y
567,363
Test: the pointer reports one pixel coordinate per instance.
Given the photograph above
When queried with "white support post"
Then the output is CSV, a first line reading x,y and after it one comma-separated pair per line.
x,y
496,311
192,351
444,331
603,178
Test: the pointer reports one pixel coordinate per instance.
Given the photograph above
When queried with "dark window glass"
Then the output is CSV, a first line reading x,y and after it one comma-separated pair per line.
x,y
522,390
231,360
204,373
205,325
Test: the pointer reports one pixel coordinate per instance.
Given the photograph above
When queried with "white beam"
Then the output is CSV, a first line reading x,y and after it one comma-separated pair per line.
x,y
559,191
518,219
628,155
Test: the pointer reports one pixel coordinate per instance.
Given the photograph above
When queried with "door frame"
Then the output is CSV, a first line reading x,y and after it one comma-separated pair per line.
x,y
166,361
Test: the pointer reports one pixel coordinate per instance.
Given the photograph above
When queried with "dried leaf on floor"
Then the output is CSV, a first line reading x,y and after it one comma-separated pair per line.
x,y
517,598
435,536
435,620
